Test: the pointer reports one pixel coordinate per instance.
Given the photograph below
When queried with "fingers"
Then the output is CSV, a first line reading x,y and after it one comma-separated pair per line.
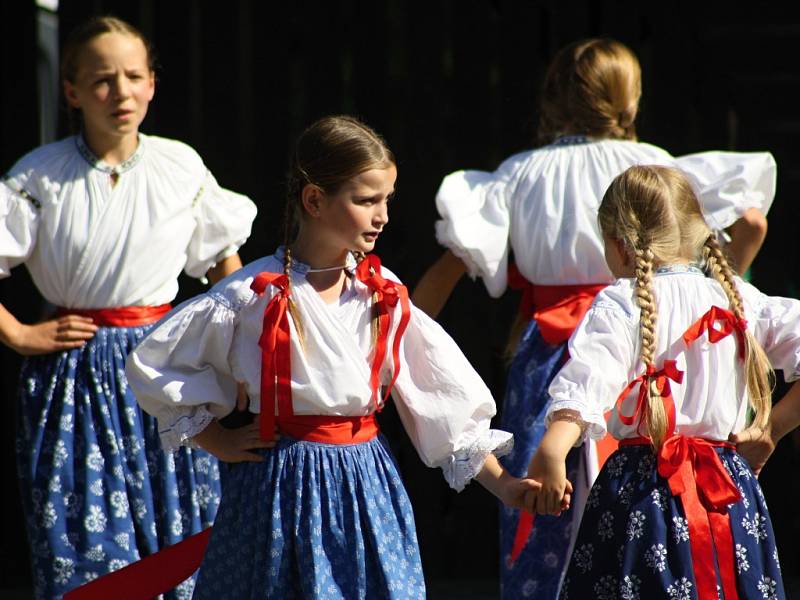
x,y
245,456
568,489
242,400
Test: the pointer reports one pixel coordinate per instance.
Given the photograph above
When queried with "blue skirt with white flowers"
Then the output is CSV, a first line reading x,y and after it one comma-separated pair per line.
x,y
633,542
97,488
313,520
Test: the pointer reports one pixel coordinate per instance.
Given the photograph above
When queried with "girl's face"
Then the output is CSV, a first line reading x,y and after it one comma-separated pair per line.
x,y
617,258
353,217
113,85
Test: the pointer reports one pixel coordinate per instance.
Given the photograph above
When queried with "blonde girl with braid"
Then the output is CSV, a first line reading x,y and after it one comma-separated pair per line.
x,y
321,334
672,359
532,225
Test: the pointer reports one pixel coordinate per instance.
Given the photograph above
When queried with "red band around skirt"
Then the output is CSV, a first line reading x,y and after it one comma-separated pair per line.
x,y
124,316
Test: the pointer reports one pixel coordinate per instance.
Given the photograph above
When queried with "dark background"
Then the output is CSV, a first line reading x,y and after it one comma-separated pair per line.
x,y
450,84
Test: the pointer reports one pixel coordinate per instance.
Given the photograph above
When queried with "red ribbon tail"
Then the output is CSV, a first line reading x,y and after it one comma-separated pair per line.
x,y
150,576
524,531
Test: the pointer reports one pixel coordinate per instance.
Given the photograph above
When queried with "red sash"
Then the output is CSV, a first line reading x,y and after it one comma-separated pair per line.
x,y
124,316
164,570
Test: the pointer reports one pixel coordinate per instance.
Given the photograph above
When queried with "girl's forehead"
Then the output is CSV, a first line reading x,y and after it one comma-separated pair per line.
x,y
113,48
379,180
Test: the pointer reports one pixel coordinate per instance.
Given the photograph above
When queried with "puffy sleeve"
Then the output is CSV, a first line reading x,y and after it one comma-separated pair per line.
x,y
601,352
729,183
19,222
180,371
775,323
475,216
224,220
444,404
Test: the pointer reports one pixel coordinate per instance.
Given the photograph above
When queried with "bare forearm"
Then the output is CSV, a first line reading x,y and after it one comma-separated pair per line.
x,y
786,414
9,327
559,438
224,268
438,282
747,236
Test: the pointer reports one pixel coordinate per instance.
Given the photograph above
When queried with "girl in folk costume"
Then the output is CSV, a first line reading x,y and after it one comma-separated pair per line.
x,y
541,206
105,221
313,504
678,350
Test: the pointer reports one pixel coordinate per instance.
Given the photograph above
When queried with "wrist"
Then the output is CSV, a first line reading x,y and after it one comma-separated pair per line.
x,y
12,335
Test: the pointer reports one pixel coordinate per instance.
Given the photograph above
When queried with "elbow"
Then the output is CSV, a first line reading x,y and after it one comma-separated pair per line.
x,y
752,224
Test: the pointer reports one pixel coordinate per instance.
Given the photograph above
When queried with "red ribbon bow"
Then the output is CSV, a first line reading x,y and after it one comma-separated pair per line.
x,y
695,472
730,323
276,369
669,371
388,295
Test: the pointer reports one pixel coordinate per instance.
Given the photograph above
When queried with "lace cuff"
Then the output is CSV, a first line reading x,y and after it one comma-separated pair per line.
x,y
466,463
593,425
185,427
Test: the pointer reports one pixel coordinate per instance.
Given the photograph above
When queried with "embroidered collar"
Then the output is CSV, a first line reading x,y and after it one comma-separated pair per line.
x,y
571,140
302,268
103,166
692,268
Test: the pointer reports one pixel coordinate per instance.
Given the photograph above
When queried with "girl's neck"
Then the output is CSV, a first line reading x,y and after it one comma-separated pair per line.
x,y
310,251
111,150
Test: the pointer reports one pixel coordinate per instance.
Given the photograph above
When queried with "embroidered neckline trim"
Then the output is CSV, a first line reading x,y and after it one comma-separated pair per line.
x,y
570,140
103,166
692,268
302,268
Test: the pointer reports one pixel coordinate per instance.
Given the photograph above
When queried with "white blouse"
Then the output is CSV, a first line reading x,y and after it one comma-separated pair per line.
x,y
542,205
90,244
185,371
712,401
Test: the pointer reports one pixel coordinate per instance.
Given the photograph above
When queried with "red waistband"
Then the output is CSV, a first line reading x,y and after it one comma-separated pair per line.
x,y
123,316
329,429
643,441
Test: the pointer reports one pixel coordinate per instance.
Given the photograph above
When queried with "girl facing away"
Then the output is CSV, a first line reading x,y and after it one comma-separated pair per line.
x,y
539,209
679,350
313,504
105,221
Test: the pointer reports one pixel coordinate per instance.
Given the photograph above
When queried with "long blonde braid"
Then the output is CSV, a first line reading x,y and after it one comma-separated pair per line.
x,y
293,312
656,416
758,370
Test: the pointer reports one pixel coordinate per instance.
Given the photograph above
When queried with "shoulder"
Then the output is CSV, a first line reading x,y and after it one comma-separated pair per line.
x,y
45,160
175,153
618,298
234,291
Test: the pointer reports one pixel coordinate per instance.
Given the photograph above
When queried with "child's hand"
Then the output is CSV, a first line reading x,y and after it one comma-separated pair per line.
x,y
515,490
233,445
556,491
755,445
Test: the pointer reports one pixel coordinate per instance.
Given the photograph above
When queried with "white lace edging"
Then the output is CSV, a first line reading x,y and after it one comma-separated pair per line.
x,y
594,425
181,432
465,464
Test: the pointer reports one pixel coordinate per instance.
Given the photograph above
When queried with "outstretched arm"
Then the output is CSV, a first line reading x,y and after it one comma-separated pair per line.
x,y
509,489
438,283
756,444
747,236
548,466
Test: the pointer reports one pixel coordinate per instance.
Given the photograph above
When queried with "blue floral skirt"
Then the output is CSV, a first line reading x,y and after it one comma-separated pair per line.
x,y
97,489
633,542
538,569
313,520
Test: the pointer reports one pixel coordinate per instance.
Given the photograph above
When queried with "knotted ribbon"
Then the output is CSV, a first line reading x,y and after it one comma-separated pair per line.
x,y
730,323
388,295
695,472
276,367
661,377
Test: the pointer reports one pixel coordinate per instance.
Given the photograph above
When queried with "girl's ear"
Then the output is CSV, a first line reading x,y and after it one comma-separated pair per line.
x,y
70,95
311,198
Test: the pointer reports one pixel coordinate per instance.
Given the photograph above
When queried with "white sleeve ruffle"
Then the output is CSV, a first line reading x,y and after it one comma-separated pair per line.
x,y
224,220
475,218
600,352
180,372
444,404
729,183
19,223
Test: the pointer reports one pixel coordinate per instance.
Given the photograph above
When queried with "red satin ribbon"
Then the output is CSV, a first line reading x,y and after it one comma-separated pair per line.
x,y
389,294
276,367
329,429
730,323
557,309
123,316
661,377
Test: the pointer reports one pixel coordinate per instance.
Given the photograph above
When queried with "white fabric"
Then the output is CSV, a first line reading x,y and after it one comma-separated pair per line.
x,y
89,244
711,402
188,366
543,205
